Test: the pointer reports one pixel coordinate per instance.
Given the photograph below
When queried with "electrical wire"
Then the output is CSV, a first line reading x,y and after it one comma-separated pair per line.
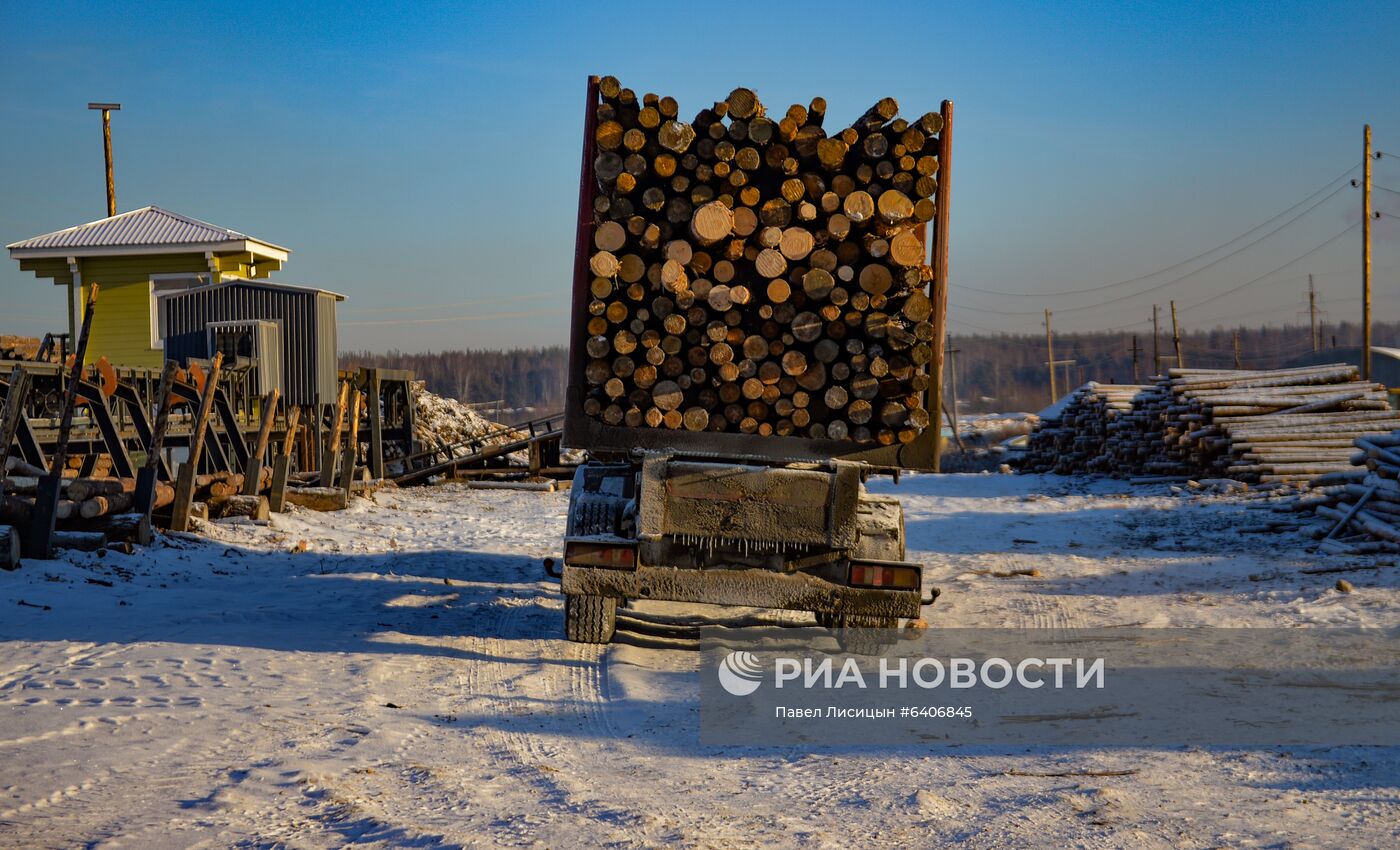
x,y
1233,290
1177,264
1173,281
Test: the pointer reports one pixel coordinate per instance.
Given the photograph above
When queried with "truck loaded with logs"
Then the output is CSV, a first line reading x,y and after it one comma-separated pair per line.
x,y
757,328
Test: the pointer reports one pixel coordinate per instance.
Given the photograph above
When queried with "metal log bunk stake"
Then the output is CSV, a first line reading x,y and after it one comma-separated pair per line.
x,y
184,485
39,542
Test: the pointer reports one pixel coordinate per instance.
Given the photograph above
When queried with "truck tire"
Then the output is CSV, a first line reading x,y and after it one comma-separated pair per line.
x,y
589,619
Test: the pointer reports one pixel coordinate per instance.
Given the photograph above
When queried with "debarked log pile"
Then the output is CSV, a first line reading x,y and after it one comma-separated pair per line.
x,y
1360,505
760,273
1270,426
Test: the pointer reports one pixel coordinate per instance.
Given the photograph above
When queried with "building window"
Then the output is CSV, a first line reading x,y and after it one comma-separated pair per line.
x,y
166,284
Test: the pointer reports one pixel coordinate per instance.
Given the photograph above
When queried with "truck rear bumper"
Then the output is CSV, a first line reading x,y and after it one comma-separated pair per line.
x,y
749,588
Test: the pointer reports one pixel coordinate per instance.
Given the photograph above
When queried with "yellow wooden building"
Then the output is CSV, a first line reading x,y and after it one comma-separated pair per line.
x,y
136,257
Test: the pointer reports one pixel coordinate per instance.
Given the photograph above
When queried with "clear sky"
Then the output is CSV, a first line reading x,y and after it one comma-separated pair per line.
x,y
423,158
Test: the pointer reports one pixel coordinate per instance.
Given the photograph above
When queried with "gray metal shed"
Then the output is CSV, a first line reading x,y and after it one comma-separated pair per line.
x,y
306,316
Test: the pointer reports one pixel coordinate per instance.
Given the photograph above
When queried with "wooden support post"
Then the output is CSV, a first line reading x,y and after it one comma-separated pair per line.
x,y
1156,347
282,464
376,422
146,478
15,398
39,541
252,475
332,452
1176,339
1366,259
184,484
351,451
1050,357
940,272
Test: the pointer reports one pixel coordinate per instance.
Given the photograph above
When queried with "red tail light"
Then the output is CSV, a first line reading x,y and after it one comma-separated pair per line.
x,y
895,578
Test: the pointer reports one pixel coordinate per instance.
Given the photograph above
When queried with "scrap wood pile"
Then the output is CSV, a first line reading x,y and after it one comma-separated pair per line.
x,y
1269,426
760,273
1360,504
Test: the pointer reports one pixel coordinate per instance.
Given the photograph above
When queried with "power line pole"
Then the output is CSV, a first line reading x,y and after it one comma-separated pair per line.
x,y
1312,314
1237,349
107,109
1156,348
1176,339
1050,357
1136,350
1366,261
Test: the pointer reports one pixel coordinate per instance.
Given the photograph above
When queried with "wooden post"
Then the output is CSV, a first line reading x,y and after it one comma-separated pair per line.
x,y
953,389
1312,315
1156,349
252,475
15,399
146,478
39,542
282,464
1366,260
332,452
351,451
1136,350
1176,339
1050,357
1237,349
184,483
376,422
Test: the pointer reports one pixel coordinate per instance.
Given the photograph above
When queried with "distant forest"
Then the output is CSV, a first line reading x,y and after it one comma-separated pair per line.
x,y
1003,372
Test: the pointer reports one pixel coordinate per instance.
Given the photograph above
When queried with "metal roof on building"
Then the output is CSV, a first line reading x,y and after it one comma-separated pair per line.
x,y
148,227
262,284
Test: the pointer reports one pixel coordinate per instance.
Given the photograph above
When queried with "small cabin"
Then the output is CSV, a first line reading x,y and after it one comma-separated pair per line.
x,y
137,257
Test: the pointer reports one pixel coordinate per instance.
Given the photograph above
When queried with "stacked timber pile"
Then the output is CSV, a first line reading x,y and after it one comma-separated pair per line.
x,y
95,498
1282,425
1095,428
760,273
1269,426
1359,506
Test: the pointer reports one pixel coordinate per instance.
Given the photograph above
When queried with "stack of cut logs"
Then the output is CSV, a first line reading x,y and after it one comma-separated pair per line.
x,y
756,273
1088,433
94,498
1259,426
1359,506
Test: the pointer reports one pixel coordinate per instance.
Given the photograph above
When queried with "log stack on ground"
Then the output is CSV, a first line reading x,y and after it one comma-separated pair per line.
x,y
1283,425
1359,505
760,273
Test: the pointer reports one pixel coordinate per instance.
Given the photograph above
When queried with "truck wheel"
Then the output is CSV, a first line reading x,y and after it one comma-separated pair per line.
x,y
589,619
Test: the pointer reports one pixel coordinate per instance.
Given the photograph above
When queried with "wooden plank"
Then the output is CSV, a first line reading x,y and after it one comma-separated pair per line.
x,y
282,464
332,452
252,475
184,485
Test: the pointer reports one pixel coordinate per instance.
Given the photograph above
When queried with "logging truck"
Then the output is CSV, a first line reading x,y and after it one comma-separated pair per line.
x,y
756,329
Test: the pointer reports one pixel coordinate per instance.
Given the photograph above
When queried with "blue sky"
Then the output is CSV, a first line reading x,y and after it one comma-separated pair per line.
x,y
423,158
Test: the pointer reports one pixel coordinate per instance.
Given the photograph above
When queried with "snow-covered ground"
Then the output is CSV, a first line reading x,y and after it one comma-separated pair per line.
x,y
393,676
